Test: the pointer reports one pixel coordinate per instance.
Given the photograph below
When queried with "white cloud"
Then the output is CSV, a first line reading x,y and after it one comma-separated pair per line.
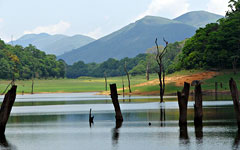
x,y
58,28
165,8
1,20
96,33
218,6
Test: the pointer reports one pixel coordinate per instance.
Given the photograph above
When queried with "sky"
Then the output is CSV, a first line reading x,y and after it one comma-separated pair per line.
x,y
94,18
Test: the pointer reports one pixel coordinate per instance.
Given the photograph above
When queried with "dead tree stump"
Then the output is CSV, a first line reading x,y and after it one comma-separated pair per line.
x,y
216,91
114,96
198,112
182,103
6,108
235,97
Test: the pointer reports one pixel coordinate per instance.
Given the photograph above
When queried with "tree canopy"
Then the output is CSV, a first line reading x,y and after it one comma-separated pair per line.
x,y
214,45
24,63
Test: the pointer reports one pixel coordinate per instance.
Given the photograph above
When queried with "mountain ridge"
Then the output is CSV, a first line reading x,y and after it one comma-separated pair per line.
x,y
53,44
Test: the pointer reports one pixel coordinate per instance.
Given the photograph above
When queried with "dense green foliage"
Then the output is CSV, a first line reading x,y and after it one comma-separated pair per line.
x,y
216,45
23,63
111,67
135,66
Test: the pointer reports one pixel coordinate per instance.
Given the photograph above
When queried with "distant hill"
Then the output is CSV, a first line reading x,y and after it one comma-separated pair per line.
x,y
198,18
131,40
53,44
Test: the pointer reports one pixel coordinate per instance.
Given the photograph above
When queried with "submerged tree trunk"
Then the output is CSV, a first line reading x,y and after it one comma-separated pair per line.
x,y
6,108
182,103
198,113
114,96
235,97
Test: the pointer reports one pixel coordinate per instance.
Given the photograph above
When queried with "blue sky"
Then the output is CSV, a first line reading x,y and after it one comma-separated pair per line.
x,y
94,18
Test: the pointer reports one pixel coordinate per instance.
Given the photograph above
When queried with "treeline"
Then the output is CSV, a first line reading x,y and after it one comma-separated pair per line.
x,y
24,63
111,67
136,65
215,46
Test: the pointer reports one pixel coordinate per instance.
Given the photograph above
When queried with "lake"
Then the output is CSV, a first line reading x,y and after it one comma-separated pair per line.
x,y
60,121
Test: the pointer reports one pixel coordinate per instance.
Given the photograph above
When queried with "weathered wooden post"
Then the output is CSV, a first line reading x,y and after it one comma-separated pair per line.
x,y
114,96
123,92
91,118
182,103
198,112
105,76
216,90
6,108
235,97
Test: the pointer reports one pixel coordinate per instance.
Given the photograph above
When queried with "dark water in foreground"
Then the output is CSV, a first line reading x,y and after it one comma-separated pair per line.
x,y
60,122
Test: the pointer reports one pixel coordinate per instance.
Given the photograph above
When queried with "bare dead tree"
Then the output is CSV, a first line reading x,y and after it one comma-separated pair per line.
x,y
129,84
161,71
234,63
105,76
32,83
123,87
147,71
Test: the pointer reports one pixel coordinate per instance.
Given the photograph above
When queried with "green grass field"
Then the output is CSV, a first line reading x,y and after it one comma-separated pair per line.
x,y
90,84
83,84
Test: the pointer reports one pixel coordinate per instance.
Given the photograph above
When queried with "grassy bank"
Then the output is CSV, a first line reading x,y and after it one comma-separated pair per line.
x,y
90,84
83,84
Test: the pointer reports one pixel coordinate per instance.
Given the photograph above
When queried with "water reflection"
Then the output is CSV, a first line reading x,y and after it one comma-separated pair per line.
x,y
4,143
236,140
199,134
115,133
183,136
162,116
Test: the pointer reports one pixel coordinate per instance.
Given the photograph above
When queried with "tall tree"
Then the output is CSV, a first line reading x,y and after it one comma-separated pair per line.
x,y
161,71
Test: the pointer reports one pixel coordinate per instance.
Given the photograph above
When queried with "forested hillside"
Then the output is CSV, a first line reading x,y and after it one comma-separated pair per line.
x,y
24,63
215,46
136,65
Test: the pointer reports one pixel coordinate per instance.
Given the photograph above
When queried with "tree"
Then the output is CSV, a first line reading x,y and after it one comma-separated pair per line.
x,y
129,84
161,71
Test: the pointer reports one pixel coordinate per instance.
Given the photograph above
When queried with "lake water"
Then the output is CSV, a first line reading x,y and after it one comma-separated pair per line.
x,y
60,121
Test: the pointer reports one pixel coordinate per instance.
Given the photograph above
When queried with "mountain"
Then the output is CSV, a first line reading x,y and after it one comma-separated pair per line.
x,y
198,18
53,44
131,40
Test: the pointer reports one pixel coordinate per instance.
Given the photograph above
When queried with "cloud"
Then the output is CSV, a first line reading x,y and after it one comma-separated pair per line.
x,y
165,8
58,28
218,6
1,20
96,33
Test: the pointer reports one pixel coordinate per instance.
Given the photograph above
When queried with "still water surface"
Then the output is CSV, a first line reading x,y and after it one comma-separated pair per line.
x,y
60,121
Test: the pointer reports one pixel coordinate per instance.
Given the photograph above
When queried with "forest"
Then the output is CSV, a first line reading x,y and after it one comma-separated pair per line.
x,y
24,63
216,46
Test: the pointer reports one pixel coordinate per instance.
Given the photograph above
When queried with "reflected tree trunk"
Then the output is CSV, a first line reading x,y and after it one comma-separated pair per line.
x,y
162,116
115,132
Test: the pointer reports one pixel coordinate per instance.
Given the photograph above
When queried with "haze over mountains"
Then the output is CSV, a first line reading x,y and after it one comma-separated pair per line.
x,y
53,44
137,37
129,41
